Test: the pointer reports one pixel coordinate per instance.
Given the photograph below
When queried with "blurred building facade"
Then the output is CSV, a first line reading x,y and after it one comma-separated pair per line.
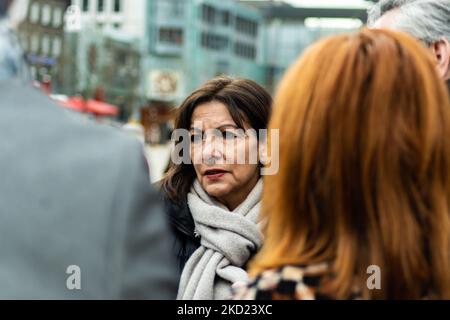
x,y
123,16
146,56
104,52
42,38
191,41
106,67
288,30
143,56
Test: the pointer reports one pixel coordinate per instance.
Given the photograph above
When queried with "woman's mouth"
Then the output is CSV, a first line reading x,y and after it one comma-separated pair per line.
x,y
215,174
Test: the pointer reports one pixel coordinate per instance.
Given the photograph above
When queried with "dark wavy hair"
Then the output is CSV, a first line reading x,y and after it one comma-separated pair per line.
x,y
246,101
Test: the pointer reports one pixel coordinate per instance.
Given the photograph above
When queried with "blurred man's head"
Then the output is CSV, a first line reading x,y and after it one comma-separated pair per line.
x,y
14,11
12,64
426,20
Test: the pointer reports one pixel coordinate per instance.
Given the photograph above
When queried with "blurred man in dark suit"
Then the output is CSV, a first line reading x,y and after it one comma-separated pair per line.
x,y
78,216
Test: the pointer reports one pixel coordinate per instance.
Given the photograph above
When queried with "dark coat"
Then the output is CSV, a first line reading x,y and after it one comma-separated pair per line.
x,y
182,224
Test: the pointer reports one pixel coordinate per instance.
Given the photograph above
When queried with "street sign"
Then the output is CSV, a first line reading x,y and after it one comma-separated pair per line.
x,y
72,18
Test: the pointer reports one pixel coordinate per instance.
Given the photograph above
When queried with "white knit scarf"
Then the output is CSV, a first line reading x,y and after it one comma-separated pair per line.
x,y
228,240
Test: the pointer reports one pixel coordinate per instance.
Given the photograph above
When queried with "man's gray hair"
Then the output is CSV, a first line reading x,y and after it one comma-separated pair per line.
x,y
427,20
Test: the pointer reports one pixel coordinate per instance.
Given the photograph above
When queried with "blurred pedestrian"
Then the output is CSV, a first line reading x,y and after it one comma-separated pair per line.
x,y
426,20
78,217
360,207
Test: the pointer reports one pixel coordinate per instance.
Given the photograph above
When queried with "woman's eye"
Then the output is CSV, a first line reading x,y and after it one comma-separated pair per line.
x,y
228,135
196,138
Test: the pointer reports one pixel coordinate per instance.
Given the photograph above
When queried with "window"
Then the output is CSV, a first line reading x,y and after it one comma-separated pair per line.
x,y
214,41
171,35
178,8
245,50
57,46
46,15
246,26
45,45
34,43
225,18
208,14
100,5
34,12
85,5
117,5
117,25
57,17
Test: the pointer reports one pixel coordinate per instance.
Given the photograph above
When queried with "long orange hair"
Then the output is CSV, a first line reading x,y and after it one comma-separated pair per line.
x,y
364,174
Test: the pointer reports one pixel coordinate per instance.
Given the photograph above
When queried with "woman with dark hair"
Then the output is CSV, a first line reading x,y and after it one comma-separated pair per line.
x,y
213,200
360,207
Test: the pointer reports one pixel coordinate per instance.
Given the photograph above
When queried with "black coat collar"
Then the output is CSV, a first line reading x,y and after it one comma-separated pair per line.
x,y
180,217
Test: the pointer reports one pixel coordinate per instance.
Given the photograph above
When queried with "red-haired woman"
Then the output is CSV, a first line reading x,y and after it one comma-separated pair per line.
x,y
364,182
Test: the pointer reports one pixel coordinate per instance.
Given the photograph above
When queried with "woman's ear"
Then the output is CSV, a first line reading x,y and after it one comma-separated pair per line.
x,y
262,154
441,50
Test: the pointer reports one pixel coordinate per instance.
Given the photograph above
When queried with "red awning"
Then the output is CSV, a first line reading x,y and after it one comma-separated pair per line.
x,y
101,108
74,103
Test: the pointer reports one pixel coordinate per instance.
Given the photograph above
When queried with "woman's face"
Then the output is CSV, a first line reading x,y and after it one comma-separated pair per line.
x,y
221,154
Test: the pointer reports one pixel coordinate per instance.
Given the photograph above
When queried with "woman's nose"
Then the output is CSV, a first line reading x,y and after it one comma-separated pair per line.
x,y
212,150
